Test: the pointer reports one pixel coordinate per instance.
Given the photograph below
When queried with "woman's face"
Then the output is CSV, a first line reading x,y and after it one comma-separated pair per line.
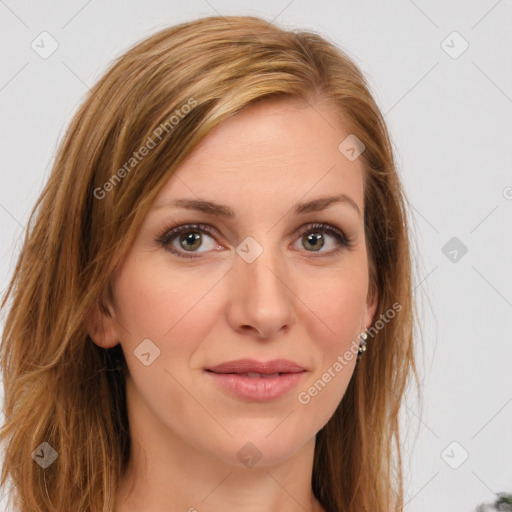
x,y
263,284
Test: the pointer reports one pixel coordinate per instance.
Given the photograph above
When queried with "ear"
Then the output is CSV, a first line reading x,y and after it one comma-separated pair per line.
x,y
372,302
100,326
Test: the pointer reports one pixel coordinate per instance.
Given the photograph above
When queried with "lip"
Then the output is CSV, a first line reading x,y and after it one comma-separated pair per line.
x,y
232,377
254,366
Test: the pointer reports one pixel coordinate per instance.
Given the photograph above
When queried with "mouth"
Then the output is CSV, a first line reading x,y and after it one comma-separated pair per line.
x,y
258,368
251,375
256,381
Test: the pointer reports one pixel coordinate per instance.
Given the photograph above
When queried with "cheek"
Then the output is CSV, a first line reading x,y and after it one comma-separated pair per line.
x,y
333,320
152,301
335,307
172,309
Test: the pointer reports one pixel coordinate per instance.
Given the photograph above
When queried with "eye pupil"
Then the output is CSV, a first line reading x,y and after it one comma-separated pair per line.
x,y
314,239
190,237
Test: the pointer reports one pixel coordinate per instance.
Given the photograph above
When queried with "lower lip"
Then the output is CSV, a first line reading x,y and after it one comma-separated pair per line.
x,y
259,389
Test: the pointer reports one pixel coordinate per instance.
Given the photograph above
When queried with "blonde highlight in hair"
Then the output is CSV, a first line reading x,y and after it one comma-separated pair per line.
x,y
60,388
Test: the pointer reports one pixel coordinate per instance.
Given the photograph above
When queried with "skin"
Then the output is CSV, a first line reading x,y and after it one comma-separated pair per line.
x,y
291,302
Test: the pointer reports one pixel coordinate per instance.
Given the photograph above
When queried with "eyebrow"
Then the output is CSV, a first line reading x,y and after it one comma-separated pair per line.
x,y
214,208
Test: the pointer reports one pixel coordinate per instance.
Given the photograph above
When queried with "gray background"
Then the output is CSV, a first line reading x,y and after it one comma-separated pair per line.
x,y
449,118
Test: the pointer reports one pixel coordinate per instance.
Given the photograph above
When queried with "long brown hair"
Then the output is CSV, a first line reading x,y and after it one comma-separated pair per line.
x,y
172,89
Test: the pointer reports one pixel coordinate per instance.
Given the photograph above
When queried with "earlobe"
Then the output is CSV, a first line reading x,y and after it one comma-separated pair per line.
x,y
100,327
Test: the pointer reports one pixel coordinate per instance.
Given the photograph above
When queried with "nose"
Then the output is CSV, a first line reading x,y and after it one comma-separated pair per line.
x,y
261,298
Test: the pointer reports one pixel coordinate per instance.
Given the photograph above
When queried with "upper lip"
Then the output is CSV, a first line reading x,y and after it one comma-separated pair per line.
x,y
254,366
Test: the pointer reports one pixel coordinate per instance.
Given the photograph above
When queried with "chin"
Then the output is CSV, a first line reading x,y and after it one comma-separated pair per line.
x,y
260,447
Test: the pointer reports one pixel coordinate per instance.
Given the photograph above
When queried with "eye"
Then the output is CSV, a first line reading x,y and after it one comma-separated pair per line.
x,y
187,238
183,241
312,237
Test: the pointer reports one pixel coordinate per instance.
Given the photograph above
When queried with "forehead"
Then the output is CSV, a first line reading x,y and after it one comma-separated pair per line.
x,y
280,151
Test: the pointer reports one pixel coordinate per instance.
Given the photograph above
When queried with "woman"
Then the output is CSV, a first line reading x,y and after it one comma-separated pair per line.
x,y
222,236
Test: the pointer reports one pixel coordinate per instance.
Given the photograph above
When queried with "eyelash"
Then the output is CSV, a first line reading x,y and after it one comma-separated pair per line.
x,y
170,233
